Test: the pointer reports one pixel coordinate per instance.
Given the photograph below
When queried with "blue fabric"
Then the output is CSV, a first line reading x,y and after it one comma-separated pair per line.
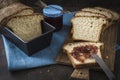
x,y
117,47
18,60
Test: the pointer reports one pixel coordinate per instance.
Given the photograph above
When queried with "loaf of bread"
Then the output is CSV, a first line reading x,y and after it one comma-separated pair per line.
x,y
26,11
88,28
12,10
80,53
103,12
115,15
27,27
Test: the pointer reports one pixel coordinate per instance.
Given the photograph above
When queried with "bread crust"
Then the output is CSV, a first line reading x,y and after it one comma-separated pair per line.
x,y
100,15
11,10
24,16
108,15
6,19
114,14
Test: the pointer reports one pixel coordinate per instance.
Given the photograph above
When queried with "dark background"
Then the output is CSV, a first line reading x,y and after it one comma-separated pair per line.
x,y
59,72
74,5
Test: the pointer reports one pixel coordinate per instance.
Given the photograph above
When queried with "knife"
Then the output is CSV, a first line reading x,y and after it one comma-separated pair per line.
x,y
105,68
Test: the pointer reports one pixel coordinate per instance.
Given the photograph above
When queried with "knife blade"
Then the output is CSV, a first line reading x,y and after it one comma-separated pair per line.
x,y
105,68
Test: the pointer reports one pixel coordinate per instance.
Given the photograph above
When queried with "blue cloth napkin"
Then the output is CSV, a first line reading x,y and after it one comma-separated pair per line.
x,y
18,60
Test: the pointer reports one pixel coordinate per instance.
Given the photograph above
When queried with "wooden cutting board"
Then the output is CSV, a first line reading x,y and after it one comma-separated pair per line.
x,y
108,37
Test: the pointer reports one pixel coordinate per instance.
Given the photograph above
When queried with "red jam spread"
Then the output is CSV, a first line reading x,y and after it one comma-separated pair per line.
x,y
83,52
57,22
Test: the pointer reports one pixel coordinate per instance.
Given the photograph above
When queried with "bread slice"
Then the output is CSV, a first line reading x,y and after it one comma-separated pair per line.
x,y
88,13
79,53
27,27
88,28
105,13
116,16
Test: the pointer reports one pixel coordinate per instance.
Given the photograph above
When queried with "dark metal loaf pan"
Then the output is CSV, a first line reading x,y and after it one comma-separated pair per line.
x,y
34,45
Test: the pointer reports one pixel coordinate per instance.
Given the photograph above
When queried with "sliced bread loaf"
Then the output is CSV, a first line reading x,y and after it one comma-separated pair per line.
x,y
14,9
26,11
79,53
88,28
105,13
116,16
27,27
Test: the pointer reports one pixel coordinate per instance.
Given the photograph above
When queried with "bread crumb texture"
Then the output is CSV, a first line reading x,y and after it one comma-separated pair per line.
x,y
87,28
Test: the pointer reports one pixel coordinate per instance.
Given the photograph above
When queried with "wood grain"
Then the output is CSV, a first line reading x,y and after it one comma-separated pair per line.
x,y
82,74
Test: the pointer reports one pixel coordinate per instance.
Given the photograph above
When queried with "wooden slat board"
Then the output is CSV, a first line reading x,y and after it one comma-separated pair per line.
x,y
108,37
82,74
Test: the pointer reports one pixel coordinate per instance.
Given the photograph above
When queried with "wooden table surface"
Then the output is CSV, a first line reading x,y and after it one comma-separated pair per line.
x,y
59,72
